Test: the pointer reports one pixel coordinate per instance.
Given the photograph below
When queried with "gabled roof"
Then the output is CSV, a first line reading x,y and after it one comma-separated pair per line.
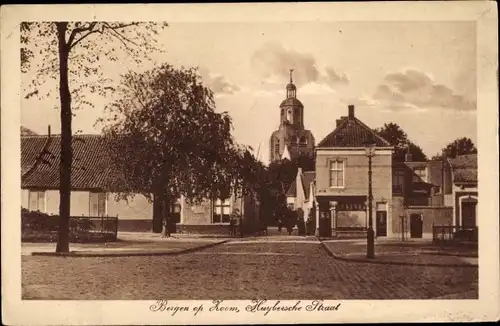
x,y
307,178
464,168
91,165
292,190
286,154
352,133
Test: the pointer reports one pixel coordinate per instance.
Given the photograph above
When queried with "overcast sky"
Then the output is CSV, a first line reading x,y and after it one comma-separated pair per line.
x,y
420,75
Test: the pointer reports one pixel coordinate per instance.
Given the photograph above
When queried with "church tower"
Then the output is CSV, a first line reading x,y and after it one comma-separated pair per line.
x,y
291,138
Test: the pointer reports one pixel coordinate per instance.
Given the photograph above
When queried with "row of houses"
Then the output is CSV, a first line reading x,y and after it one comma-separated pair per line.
x,y
91,196
409,198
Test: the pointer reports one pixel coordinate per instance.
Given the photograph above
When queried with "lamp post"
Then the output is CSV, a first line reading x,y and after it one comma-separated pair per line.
x,y
333,216
370,246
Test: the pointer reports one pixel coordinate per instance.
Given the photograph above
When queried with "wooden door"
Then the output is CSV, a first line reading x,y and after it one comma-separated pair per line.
x,y
469,214
381,225
416,226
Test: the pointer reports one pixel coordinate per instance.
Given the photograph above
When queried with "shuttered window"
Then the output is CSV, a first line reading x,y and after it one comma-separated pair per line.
x,y
97,204
37,201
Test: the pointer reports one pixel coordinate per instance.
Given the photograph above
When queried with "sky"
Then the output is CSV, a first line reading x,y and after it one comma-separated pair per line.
x,y
420,75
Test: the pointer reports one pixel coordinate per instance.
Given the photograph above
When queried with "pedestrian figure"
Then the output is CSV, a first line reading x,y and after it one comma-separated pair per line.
x,y
164,228
236,217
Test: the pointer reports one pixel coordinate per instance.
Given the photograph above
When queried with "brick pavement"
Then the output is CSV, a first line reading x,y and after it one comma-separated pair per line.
x,y
239,271
404,253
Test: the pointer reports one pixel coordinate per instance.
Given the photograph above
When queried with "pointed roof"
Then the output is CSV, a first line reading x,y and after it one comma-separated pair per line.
x,y
352,132
306,178
286,154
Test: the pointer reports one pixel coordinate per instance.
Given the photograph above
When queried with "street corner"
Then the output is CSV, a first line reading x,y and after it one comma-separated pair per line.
x,y
391,255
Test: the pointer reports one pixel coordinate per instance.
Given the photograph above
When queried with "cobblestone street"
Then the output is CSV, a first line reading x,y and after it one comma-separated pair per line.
x,y
239,270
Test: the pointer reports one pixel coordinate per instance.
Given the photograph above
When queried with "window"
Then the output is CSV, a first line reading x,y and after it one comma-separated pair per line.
x,y
291,206
303,141
294,140
97,204
337,174
398,178
37,201
277,147
222,211
421,174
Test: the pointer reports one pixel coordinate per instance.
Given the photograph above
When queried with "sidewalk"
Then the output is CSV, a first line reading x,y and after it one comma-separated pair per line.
x,y
160,246
140,237
416,254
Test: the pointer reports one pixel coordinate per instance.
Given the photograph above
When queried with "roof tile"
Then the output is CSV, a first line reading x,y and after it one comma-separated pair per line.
x,y
352,133
90,170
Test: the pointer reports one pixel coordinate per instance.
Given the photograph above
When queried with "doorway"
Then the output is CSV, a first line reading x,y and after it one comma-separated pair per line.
x,y
381,219
416,222
381,225
469,212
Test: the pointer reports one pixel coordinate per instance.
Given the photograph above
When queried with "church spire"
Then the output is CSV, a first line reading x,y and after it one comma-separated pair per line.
x,y
291,90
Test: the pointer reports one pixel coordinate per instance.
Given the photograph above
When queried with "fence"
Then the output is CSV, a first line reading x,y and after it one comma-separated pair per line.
x,y
37,226
99,226
453,233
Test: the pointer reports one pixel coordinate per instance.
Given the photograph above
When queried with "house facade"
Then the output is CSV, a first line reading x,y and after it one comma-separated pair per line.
x,y
421,197
464,196
341,187
40,157
300,195
409,198
434,193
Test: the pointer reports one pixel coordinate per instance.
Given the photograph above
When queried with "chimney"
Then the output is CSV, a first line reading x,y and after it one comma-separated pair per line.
x,y
351,112
48,131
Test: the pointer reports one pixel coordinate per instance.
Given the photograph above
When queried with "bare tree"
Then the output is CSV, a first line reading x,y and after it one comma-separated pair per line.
x,y
75,53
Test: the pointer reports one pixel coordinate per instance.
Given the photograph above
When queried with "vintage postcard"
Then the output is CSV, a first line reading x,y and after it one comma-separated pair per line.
x,y
249,163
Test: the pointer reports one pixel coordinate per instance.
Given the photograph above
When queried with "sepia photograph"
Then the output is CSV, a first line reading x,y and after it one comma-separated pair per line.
x,y
294,164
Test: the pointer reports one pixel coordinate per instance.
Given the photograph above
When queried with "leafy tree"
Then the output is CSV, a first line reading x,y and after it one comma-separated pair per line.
x,y
167,140
280,175
73,53
460,146
27,132
399,139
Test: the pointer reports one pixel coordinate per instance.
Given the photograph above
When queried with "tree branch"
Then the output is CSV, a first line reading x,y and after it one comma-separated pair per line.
x,y
78,30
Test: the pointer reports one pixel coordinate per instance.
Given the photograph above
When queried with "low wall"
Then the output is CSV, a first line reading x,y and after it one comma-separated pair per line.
x,y
135,225
438,215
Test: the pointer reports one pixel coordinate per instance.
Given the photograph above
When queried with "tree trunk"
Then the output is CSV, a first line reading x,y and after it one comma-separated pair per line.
x,y
66,150
166,216
157,213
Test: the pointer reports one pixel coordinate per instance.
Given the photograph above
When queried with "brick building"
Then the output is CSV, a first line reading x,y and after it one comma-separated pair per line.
x,y
409,198
342,179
